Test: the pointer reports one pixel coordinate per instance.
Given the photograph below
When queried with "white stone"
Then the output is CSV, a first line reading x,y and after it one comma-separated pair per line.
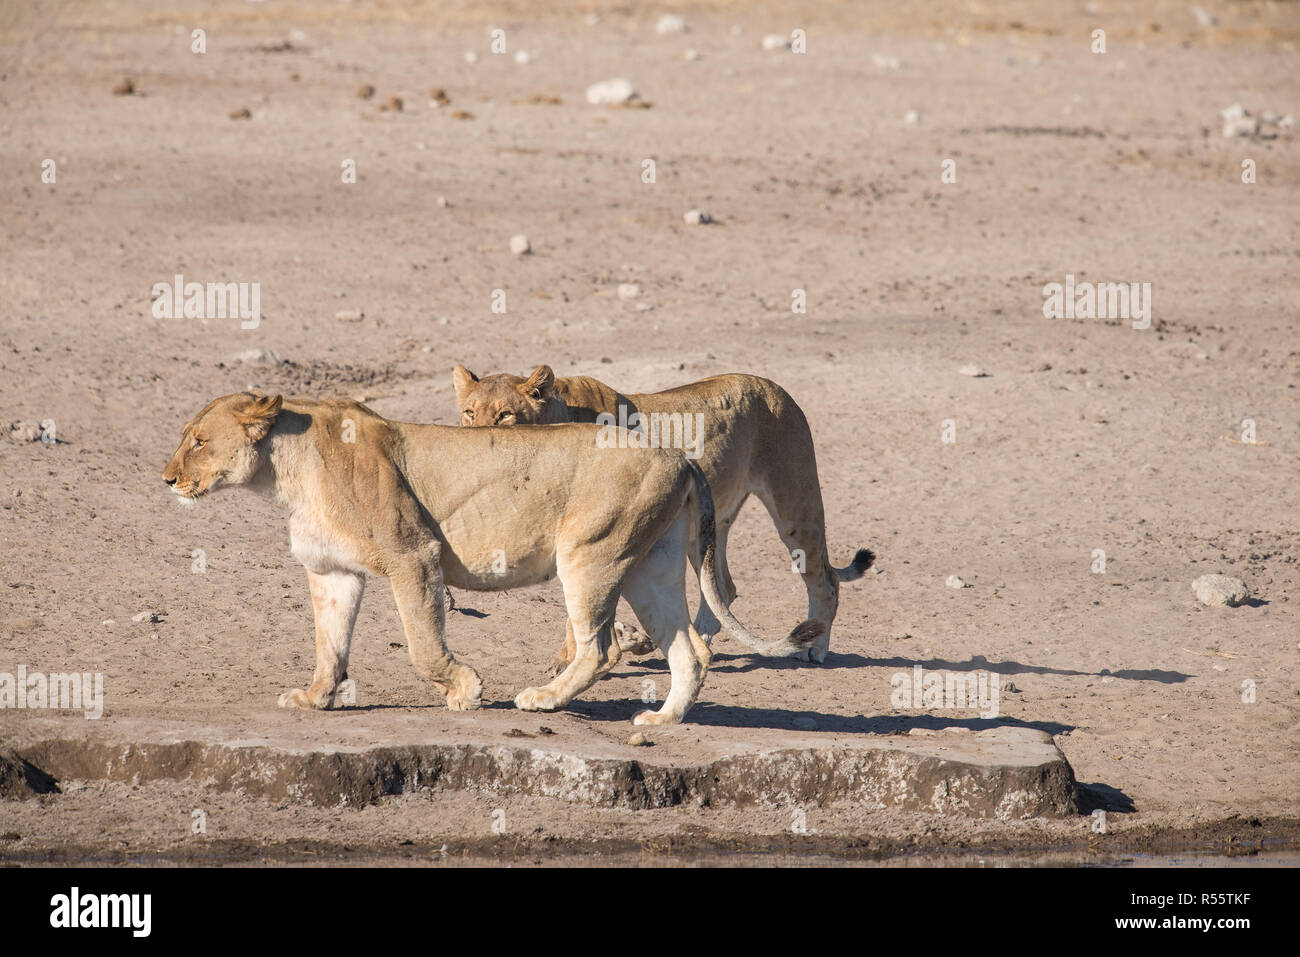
x,y
349,315
628,290
974,371
608,92
519,245
471,56
1220,590
955,582
697,217
257,357
774,41
670,23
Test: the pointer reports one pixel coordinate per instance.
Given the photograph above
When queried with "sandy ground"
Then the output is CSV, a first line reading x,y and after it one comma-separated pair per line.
x,y
1085,434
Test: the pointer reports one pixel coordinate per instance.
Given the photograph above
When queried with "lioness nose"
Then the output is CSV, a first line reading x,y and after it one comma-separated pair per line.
x,y
169,479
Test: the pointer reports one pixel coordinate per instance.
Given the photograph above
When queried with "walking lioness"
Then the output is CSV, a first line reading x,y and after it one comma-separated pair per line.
x,y
426,505
751,439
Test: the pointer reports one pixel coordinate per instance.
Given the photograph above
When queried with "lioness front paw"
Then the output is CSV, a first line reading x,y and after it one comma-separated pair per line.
x,y
656,717
467,695
298,698
537,699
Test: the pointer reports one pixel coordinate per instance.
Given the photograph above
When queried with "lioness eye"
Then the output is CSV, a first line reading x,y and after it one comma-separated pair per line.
x,y
468,413
505,415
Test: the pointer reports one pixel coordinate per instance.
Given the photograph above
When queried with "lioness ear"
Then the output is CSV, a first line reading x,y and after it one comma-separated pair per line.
x,y
259,415
461,380
540,384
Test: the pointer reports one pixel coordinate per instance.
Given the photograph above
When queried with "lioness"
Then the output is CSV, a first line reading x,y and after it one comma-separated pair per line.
x,y
755,440
428,504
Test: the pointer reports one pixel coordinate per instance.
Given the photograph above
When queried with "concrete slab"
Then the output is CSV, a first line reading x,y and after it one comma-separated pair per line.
x,y
336,759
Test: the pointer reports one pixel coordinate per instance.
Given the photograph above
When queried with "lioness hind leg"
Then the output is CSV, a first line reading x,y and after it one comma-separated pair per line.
x,y
335,598
654,589
417,587
801,525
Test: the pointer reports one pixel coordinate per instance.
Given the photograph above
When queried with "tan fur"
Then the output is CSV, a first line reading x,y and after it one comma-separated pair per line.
x,y
756,441
428,505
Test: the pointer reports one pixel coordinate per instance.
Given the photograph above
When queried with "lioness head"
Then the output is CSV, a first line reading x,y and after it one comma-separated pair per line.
x,y
505,399
219,446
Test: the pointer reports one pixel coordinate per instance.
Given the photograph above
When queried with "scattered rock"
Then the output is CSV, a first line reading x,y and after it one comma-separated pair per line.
x,y
442,202
628,290
697,217
124,87
670,23
1220,590
365,91
774,41
691,55
611,92
974,371
438,96
1238,121
108,622
256,357
22,431
639,740
543,729
462,115
519,245
517,733
241,113
883,62
955,582
152,617
392,105
349,315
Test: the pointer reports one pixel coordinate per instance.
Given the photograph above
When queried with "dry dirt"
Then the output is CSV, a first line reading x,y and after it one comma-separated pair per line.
x,y
1085,434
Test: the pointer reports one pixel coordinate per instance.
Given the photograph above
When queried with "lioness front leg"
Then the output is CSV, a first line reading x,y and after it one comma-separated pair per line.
x,y
591,629
335,598
417,586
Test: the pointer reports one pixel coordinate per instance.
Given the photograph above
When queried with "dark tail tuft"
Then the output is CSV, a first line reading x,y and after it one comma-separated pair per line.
x,y
861,562
806,632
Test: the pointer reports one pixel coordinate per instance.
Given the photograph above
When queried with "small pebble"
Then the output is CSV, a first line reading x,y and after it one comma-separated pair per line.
x,y
955,582
519,245
697,217
639,740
